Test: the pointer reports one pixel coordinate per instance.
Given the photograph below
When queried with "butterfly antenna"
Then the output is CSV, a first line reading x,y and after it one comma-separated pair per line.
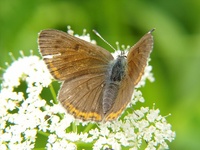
x,y
103,39
152,30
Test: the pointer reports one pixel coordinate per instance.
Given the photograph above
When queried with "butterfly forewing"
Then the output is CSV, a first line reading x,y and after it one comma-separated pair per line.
x,y
68,57
138,56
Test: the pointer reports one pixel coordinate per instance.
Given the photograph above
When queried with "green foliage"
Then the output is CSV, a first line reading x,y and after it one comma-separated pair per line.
x,y
175,59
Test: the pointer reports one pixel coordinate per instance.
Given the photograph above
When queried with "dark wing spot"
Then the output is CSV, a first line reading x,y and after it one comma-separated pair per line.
x,y
58,44
76,47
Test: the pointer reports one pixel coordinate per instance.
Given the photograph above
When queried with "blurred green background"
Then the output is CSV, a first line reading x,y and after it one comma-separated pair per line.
x,y
175,59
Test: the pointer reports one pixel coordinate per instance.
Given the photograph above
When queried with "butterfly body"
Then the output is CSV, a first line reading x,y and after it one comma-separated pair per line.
x,y
116,73
95,86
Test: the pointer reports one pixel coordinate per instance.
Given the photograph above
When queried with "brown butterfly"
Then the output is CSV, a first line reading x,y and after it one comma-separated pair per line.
x,y
95,85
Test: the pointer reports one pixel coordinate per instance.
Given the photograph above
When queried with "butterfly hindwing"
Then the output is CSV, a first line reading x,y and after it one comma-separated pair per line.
x,y
82,96
124,96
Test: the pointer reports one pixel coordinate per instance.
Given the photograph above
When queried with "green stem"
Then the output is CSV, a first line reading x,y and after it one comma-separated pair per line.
x,y
88,127
43,133
53,94
74,127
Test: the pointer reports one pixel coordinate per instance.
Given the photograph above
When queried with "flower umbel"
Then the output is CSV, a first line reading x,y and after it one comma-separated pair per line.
x,y
32,118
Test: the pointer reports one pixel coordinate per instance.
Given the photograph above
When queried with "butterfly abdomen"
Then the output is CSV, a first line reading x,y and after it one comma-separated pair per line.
x,y
115,75
109,95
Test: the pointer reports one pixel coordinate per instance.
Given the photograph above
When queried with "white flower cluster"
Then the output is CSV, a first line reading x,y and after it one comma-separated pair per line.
x,y
28,118
144,125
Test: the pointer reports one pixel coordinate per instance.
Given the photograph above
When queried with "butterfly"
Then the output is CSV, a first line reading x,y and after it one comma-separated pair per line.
x,y
95,86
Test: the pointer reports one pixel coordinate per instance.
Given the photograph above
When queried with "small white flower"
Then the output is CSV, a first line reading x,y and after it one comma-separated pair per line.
x,y
153,115
30,134
52,138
